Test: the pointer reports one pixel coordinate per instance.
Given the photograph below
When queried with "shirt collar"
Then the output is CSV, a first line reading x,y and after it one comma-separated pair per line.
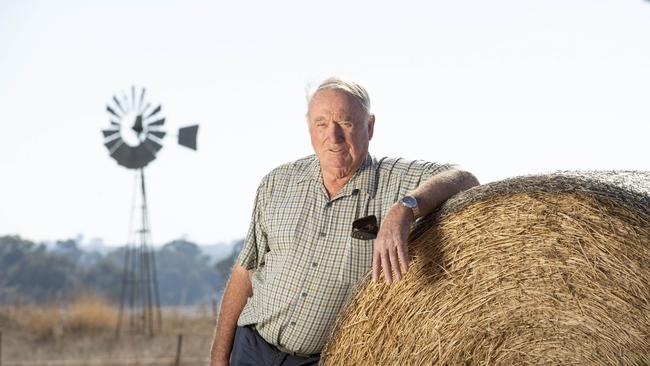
x,y
363,180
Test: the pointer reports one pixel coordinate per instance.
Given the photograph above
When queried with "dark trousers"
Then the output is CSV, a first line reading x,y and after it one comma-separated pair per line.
x,y
250,349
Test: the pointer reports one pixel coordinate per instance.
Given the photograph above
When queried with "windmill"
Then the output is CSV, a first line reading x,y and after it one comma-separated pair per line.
x,y
134,137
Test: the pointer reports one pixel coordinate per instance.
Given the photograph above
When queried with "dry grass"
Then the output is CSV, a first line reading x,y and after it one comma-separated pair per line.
x,y
85,331
90,314
41,322
529,278
186,319
85,314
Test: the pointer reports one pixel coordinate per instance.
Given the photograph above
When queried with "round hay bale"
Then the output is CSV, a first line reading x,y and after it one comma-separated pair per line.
x,y
550,269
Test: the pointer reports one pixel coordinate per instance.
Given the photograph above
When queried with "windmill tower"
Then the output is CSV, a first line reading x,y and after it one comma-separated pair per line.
x,y
134,137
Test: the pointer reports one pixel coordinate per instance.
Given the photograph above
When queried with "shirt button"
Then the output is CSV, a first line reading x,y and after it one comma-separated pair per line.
x,y
322,234
304,294
314,264
293,323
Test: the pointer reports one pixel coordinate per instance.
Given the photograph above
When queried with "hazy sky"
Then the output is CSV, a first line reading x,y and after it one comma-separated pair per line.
x,y
503,88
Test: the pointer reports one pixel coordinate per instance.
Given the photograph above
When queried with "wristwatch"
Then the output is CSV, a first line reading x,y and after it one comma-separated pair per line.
x,y
412,203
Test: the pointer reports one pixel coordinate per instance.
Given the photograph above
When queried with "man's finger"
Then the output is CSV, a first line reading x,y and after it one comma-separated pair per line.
x,y
404,258
376,264
394,262
385,262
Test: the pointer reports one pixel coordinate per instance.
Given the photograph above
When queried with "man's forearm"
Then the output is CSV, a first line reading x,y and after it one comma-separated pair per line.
x,y
440,187
237,292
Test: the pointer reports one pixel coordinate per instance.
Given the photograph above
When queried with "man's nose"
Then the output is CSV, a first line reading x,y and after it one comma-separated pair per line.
x,y
335,132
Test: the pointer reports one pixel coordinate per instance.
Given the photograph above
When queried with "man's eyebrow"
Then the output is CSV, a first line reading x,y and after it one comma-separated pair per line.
x,y
341,118
345,119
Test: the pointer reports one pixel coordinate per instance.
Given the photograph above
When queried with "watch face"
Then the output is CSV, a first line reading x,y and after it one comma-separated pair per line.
x,y
409,201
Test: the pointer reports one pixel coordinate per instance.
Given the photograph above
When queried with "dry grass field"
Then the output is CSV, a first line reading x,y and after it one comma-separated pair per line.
x,y
83,333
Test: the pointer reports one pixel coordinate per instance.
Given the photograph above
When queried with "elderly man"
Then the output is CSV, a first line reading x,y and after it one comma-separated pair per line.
x,y
300,263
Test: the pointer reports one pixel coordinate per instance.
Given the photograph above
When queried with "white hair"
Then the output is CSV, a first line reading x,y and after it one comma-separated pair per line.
x,y
356,91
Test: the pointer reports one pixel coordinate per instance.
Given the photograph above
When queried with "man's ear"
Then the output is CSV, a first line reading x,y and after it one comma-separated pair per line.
x,y
371,126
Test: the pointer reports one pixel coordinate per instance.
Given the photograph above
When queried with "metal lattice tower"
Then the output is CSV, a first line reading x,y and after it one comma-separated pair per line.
x,y
133,139
139,299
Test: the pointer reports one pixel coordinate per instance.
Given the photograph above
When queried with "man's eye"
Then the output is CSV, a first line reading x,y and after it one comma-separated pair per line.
x,y
346,123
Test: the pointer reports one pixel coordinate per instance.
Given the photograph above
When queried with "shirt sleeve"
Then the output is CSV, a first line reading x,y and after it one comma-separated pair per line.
x,y
428,170
411,174
255,244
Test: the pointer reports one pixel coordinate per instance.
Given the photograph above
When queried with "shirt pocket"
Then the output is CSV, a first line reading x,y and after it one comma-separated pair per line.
x,y
357,261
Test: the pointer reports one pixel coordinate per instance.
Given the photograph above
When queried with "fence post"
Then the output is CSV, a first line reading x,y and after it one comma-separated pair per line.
x,y
179,347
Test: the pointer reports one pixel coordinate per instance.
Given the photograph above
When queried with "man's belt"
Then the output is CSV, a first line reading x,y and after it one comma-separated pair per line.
x,y
282,349
297,354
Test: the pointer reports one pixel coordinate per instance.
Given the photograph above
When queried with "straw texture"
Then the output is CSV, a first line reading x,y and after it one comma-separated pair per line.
x,y
547,269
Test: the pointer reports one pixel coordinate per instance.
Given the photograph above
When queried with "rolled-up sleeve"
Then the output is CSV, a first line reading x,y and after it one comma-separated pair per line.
x,y
413,173
429,169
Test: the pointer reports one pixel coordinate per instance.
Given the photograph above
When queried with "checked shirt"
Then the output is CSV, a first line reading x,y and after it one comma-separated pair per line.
x,y
304,262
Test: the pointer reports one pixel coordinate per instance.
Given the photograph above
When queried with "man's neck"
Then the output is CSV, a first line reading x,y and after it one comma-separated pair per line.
x,y
333,185
334,179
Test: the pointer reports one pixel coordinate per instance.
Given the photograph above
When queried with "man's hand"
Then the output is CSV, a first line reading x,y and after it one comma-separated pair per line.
x,y
391,252
219,363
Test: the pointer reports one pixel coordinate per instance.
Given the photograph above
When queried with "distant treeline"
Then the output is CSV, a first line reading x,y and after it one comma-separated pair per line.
x,y
30,272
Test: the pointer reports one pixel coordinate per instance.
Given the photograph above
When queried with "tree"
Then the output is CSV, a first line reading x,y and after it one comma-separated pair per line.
x,y
184,273
32,273
29,272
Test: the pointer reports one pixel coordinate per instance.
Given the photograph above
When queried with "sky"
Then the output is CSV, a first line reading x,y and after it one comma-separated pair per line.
x,y
503,88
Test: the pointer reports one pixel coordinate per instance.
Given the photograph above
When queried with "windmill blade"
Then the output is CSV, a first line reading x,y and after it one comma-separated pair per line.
x,y
119,105
154,112
111,111
125,100
144,109
141,99
113,145
187,136
113,127
158,134
154,139
110,133
152,144
159,122
133,157
141,156
121,154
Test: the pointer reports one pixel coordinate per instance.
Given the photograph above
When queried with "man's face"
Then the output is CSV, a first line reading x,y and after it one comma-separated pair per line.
x,y
340,132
